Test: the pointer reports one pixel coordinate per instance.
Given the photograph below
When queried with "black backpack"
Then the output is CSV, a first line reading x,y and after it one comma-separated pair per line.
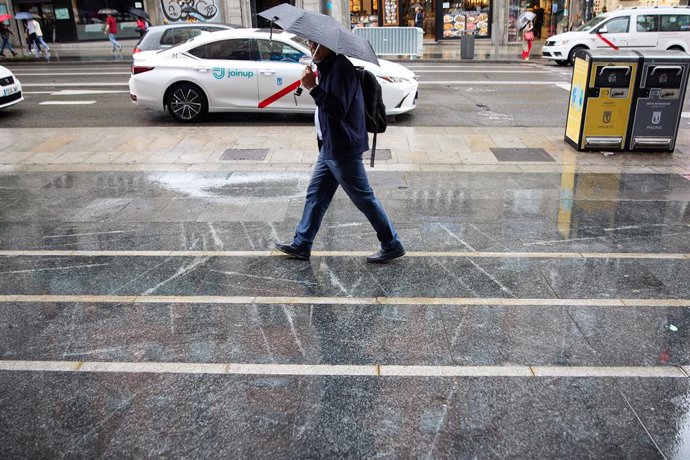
x,y
374,109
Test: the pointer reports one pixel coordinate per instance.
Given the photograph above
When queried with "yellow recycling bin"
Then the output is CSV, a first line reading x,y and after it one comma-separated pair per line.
x,y
601,96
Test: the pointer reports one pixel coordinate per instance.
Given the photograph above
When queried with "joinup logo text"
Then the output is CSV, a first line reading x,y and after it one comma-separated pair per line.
x,y
219,73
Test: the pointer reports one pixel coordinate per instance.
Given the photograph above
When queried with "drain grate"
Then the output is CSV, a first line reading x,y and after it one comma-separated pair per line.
x,y
381,154
244,154
521,154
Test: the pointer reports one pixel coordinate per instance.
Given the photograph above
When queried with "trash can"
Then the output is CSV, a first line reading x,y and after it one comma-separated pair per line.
x,y
467,46
659,103
601,96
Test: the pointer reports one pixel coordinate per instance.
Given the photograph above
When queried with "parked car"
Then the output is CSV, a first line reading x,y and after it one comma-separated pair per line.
x,y
169,35
245,70
626,28
10,88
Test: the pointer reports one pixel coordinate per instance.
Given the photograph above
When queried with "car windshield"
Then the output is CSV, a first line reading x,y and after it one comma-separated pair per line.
x,y
593,23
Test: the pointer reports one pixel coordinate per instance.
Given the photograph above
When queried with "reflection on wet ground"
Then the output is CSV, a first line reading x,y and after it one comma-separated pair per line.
x,y
571,271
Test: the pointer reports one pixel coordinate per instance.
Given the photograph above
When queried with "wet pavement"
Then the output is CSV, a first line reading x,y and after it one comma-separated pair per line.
x,y
538,313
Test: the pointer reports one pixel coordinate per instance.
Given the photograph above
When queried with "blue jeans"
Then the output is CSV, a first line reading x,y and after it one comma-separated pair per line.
x,y
112,39
349,173
6,44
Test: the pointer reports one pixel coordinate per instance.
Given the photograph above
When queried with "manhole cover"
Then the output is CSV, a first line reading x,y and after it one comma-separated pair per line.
x,y
244,154
521,154
381,154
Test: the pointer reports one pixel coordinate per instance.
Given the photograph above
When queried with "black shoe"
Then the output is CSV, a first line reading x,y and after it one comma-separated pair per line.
x,y
384,256
294,251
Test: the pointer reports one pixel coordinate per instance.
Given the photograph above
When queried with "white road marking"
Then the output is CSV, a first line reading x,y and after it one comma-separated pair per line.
x,y
685,115
372,370
270,253
34,85
66,102
305,300
468,67
69,74
484,71
489,82
565,86
78,92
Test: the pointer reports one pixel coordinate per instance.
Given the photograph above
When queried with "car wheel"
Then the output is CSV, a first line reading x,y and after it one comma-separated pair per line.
x,y
186,102
562,62
571,56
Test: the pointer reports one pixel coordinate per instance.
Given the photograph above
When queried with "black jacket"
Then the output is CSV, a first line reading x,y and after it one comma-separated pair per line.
x,y
341,108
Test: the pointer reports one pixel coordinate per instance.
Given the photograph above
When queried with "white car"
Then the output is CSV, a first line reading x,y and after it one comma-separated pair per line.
x,y
626,28
244,70
10,88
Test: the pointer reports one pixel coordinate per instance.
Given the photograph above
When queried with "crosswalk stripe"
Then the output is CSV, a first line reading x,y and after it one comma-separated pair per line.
x,y
273,253
372,370
489,82
66,102
314,300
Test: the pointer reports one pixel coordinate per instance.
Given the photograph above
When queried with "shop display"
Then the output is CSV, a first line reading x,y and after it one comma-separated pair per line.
x,y
390,12
457,22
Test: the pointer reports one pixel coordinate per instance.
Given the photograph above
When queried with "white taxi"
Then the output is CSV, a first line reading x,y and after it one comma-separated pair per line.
x,y
10,88
244,70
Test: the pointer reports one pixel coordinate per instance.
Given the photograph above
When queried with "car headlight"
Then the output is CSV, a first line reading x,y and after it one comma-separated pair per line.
x,y
392,79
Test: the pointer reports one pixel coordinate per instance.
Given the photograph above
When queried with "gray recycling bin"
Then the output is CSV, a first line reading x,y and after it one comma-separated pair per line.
x,y
657,109
467,46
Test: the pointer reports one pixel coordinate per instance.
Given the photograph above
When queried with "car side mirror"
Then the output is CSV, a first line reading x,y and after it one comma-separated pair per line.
x,y
603,30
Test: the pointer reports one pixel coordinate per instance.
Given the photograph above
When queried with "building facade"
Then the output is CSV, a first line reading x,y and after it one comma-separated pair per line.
x,y
495,20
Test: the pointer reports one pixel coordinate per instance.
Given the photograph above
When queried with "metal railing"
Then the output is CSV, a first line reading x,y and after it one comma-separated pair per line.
x,y
393,40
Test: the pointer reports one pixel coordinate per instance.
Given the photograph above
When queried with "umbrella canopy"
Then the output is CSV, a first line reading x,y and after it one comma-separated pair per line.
x,y
107,11
138,12
321,29
5,17
26,15
524,18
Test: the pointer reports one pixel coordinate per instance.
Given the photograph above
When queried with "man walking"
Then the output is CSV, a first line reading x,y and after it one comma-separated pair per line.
x,y
343,138
111,30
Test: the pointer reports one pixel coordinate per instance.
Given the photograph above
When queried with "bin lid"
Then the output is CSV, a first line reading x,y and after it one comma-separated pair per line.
x,y
664,55
612,55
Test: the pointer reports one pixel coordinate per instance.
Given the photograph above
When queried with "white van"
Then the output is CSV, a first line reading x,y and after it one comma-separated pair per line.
x,y
625,28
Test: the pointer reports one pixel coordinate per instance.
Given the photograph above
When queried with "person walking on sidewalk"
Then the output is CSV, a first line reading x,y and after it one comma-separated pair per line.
x,y
527,40
342,134
32,38
111,30
5,34
39,35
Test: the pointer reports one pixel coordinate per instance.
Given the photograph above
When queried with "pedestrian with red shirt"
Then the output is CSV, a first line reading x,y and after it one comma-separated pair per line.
x,y
111,30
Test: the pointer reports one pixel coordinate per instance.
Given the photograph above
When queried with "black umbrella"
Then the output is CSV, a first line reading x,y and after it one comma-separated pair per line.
x,y
321,29
138,12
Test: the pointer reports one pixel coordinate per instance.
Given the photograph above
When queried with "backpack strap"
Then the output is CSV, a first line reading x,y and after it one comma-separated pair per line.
x,y
373,150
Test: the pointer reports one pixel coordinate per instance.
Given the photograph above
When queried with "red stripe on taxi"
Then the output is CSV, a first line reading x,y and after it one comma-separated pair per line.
x,y
608,42
274,97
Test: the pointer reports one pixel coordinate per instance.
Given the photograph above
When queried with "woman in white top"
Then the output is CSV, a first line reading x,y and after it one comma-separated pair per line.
x,y
39,35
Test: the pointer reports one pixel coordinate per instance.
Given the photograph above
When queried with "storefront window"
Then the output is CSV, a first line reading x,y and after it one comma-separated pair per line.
x,y
90,24
364,13
469,16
